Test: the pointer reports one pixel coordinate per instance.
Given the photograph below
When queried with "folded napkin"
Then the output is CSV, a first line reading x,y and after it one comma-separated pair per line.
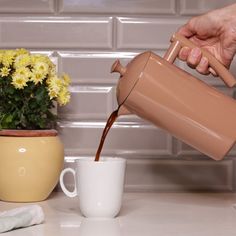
x,y
21,217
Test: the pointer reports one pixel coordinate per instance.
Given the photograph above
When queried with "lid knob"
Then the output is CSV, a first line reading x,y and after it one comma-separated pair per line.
x,y
117,67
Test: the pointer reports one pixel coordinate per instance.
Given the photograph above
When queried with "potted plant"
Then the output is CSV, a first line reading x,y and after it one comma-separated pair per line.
x,y
31,153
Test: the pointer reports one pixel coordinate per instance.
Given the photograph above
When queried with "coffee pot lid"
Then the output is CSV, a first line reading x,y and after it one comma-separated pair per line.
x,y
129,75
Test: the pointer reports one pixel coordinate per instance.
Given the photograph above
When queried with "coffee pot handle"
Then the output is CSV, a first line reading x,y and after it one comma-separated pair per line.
x,y
178,41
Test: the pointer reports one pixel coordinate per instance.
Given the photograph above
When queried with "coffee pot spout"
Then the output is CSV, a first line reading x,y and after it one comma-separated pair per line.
x,y
123,110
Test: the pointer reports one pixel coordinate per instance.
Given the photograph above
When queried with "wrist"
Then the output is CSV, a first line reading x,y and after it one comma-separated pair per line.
x,y
222,16
227,13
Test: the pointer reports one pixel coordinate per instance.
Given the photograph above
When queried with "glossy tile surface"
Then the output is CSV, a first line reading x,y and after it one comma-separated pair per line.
x,y
194,7
92,67
99,103
38,32
165,175
149,214
145,33
179,175
121,6
124,137
27,6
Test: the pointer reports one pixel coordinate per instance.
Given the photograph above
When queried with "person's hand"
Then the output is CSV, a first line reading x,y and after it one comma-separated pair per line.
x,y
214,31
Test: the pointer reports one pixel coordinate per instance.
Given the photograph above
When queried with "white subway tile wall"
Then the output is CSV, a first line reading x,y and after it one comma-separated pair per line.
x,y
80,95
193,7
27,6
177,175
125,138
85,37
145,33
92,67
121,6
56,32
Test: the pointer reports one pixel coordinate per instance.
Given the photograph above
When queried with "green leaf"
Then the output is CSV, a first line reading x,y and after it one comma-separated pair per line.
x,y
8,118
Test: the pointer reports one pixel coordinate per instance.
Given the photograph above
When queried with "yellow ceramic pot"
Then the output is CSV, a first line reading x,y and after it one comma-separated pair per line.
x,y
30,164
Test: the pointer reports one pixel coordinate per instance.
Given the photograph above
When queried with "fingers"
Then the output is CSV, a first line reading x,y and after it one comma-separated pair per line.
x,y
194,57
195,60
212,72
186,30
203,66
184,52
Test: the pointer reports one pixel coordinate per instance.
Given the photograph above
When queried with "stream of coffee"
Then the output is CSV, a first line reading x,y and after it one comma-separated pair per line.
x,y
109,123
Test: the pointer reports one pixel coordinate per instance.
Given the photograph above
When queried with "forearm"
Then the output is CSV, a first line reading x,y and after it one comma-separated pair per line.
x,y
222,17
227,13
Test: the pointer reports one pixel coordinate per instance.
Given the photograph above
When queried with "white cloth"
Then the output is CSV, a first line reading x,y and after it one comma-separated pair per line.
x,y
21,217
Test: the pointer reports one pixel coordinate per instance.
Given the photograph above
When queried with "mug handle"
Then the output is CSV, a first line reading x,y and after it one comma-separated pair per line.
x,y
64,189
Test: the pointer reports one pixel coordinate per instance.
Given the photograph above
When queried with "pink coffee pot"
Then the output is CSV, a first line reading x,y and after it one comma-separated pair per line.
x,y
157,90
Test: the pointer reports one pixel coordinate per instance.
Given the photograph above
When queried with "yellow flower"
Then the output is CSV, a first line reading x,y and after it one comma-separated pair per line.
x,y
49,62
40,58
52,71
41,67
35,58
37,77
1,56
8,58
18,81
4,71
54,85
52,94
31,79
22,66
21,51
24,72
22,60
63,96
66,79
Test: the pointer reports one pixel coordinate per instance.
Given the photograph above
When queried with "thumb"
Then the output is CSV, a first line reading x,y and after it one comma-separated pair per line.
x,y
186,31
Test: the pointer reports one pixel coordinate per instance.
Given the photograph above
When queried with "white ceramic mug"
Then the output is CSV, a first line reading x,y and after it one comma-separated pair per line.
x,y
99,185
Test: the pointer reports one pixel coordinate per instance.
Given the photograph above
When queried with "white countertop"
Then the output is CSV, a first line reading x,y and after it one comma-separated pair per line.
x,y
164,214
